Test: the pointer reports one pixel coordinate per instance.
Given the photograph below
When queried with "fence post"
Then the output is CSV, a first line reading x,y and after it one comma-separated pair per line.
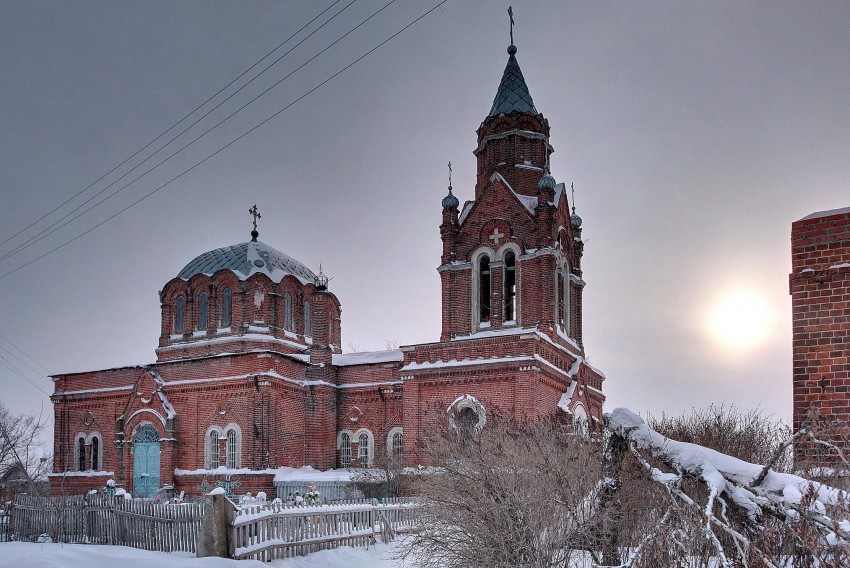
x,y
215,538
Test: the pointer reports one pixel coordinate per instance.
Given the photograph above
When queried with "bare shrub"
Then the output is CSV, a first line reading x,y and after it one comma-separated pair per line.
x,y
513,494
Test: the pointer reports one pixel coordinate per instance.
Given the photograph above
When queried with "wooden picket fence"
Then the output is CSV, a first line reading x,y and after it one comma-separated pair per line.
x,y
280,531
104,519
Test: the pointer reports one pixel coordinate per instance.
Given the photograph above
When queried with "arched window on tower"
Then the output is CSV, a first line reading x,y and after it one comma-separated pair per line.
x,y
559,299
510,287
202,310
398,446
484,290
345,451
179,312
287,312
226,308
308,320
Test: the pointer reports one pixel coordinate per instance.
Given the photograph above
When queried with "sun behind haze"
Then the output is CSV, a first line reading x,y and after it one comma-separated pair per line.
x,y
741,319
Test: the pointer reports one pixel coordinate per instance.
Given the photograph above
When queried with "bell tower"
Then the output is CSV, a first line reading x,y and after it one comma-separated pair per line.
x,y
512,256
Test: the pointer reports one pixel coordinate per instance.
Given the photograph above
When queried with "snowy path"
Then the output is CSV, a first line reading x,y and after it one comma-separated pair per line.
x,y
31,555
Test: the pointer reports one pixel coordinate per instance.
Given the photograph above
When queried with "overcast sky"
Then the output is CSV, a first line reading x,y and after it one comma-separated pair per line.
x,y
695,133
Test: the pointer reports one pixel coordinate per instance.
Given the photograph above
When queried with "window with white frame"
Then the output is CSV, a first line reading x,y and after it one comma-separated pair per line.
x,y
510,286
96,457
81,453
398,446
484,290
363,450
345,451
233,448
213,460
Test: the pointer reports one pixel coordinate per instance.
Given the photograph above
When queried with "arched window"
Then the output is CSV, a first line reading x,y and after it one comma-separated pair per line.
x,y
202,310
308,321
484,290
510,286
363,450
345,451
559,299
580,422
95,453
233,443
398,446
213,459
226,308
179,309
81,454
287,312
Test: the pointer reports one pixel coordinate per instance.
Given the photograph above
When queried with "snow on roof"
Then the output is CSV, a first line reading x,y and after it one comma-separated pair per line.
x,y
247,259
828,213
495,333
462,363
367,357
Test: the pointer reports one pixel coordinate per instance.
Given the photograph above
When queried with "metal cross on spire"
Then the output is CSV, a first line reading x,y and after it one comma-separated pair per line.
x,y
256,214
511,15
573,199
450,175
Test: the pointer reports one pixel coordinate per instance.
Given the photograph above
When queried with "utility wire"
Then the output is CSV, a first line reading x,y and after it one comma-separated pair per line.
x,y
27,355
173,126
27,365
15,370
243,135
191,142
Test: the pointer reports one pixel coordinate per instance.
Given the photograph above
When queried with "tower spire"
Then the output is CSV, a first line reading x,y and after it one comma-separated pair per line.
x,y
256,214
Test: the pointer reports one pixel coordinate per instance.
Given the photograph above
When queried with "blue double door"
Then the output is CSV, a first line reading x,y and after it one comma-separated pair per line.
x,y
146,462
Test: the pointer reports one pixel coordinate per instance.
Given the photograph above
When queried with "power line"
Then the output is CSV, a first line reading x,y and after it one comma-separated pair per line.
x,y
27,365
146,146
47,232
185,146
27,355
15,370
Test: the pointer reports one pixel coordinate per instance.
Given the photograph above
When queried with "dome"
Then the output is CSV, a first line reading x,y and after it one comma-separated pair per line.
x,y
450,201
247,259
546,182
575,221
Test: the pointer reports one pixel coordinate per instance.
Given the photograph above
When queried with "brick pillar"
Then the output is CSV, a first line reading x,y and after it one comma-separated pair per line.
x,y
820,298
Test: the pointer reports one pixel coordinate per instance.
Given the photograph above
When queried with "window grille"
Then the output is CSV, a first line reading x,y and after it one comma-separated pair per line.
x,y
363,450
232,449
227,308
146,433
345,451
202,311
398,446
213,460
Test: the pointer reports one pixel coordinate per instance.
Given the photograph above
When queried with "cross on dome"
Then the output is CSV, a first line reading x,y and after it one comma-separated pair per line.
x,y
256,214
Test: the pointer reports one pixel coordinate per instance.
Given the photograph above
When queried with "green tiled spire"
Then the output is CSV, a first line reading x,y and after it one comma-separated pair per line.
x,y
513,95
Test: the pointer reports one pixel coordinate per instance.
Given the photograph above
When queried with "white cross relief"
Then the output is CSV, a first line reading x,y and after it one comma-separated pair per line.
x,y
496,236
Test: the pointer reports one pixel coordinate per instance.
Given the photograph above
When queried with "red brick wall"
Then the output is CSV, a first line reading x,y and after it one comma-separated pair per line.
x,y
820,299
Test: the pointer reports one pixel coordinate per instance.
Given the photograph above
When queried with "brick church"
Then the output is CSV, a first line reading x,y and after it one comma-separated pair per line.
x,y
250,379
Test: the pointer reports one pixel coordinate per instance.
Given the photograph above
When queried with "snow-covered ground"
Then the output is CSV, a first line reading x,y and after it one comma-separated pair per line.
x,y
31,555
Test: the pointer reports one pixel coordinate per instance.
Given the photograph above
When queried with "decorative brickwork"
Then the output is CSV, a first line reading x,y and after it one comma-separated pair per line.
x,y
820,300
249,374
